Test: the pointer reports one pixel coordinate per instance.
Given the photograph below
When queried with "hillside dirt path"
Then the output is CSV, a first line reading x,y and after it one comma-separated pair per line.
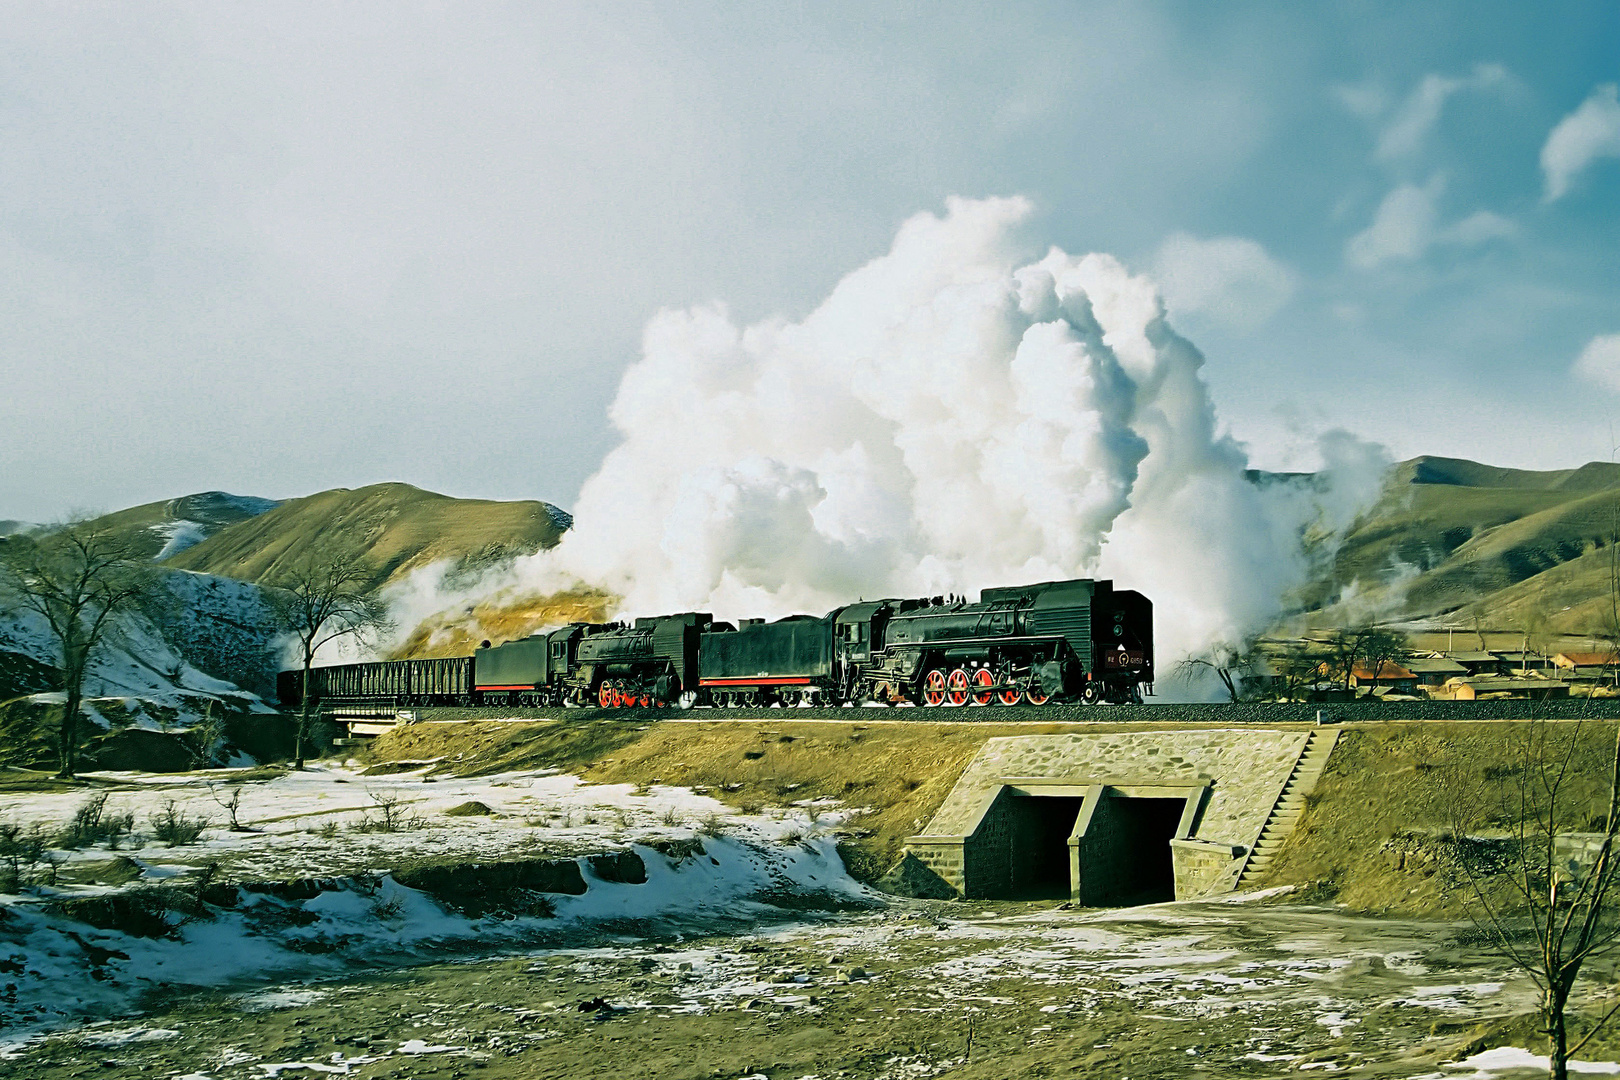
x,y
973,990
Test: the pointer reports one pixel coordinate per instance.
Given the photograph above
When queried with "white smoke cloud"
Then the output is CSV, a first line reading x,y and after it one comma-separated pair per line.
x,y
951,417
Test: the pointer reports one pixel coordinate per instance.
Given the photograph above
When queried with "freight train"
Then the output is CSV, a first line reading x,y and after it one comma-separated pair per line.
x,y
1065,641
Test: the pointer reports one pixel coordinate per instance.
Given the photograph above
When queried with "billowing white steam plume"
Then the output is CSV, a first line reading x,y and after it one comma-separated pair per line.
x,y
946,420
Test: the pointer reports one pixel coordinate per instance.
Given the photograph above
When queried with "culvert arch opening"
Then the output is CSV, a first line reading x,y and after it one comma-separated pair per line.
x,y
1100,845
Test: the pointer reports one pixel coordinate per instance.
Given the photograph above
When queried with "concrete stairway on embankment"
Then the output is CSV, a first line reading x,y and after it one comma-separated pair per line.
x,y
1290,805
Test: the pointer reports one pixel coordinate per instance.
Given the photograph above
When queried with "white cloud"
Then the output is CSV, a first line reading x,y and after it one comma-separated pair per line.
x,y
1406,225
1229,278
1478,227
1590,132
1366,100
1600,361
1403,227
1418,114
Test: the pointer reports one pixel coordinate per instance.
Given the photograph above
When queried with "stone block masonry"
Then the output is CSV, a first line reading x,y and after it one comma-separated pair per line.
x,y
1125,805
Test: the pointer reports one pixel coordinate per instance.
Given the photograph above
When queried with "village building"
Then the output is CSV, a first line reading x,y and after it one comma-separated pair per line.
x,y
1390,677
1595,667
1525,661
1484,687
1477,663
1435,671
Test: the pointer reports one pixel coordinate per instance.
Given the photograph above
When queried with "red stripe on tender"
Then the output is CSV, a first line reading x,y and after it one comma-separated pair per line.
x,y
790,681
523,686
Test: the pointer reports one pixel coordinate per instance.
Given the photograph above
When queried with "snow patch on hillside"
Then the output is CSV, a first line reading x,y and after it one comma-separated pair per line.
x,y
216,623
177,536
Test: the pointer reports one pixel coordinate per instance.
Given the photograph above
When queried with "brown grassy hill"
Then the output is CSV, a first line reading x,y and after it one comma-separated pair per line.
x,y
160,529
1452,539
391,529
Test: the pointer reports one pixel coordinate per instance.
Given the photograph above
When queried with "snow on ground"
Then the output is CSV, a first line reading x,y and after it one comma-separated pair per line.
x,y
721,874
1506,1061
308,822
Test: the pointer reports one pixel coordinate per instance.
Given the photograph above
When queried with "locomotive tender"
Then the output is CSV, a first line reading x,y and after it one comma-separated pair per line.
x,y
1079,640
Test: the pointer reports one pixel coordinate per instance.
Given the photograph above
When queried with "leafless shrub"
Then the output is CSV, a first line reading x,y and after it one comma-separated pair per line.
x,y
389,815
175,827
24,857
388,910
205,739
92,824
230,799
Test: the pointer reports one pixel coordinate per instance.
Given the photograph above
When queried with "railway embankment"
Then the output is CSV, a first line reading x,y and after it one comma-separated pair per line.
x,y
1377,832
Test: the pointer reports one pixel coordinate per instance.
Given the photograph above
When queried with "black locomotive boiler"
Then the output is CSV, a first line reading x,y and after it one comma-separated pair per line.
x,y
1079,640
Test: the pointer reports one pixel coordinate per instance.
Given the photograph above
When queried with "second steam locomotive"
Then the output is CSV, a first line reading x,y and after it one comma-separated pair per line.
x,y
1065,641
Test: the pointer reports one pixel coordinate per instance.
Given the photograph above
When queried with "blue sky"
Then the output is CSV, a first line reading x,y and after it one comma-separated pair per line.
x,y
281,247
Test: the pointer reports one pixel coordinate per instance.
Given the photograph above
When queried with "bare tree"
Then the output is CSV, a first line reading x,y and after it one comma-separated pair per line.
x,y
1232,664
1553,905
1297,665
1381,648
78,579
317,600
1372,645
1547,901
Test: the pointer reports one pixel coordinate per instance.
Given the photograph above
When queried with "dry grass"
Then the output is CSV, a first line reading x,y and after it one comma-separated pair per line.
x,y
898,772
390,529
1376,832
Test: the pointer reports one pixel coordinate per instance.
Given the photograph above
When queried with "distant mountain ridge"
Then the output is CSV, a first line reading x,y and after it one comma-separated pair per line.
x,y
1451,540
1448,540
390,529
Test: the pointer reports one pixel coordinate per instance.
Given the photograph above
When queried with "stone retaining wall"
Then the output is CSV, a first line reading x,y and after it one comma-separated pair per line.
x,y
968,843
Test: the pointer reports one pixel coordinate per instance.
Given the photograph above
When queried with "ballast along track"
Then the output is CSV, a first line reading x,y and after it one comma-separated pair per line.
x,y
1051,643
1269,713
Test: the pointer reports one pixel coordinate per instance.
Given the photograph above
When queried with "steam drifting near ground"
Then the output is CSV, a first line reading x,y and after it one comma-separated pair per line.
x,y
951,417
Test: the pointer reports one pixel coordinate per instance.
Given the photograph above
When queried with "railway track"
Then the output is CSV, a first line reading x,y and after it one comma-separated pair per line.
x,y
1216,713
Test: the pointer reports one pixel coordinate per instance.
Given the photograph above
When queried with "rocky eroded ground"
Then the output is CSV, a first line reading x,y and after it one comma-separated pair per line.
x,y
918,989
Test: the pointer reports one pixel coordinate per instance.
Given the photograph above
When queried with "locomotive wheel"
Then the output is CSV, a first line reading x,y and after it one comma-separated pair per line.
x,y
1035,696
982,677
1011,695
1091,694
956,684
605,695
934,688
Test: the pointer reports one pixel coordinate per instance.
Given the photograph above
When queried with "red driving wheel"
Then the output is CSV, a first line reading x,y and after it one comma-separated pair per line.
x,y
934,688
981,678
956,684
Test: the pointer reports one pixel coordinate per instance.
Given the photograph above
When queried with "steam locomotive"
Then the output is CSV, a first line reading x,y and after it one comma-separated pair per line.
x,y
1066,641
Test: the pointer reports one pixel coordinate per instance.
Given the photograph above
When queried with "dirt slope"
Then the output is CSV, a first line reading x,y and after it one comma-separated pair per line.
x,y
390,529
1455,538
1375,832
